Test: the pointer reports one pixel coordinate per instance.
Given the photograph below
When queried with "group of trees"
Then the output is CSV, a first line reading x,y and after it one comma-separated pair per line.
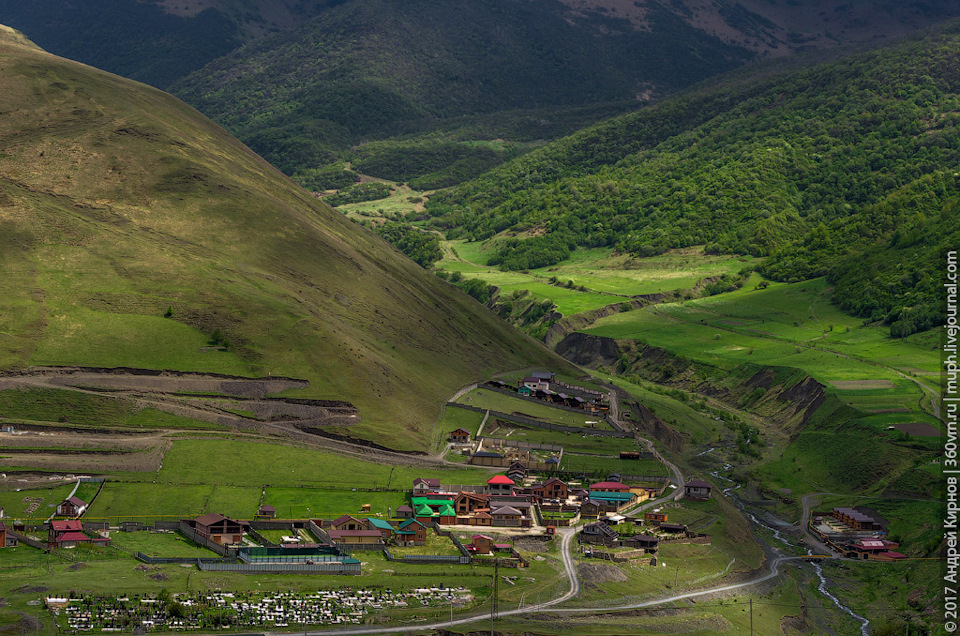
x,y
844,170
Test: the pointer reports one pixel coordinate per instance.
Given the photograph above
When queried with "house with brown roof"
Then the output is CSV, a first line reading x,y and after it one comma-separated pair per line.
x,y
355,537
423,485
553,488
508,516
460,436
697,489
469,502
347,522
404,512
266,512
219,529
482,544
599,533
646,542
72,507
481,518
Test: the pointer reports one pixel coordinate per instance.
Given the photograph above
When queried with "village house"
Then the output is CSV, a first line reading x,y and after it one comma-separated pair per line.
x,y
482,544
673,528
481,518
265,512
646,542
347,522
874,549
69,533
404,512
553,488
469,502
856,519
609,486
423,485
460,436
355,537
697,489
385,529
500,484
508,516
411,533
3,535
218,529
72,507
535,384
629,454
486,458
655,518
598,533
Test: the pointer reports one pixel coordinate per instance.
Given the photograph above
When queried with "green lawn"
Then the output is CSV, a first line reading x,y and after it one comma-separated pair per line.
x,y
159,544
783,325
300,503
15,504
189,462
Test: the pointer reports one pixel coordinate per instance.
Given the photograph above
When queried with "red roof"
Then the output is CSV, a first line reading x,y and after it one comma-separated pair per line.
x,y
893,555
499,480
609,485
71,525
482,536
73,536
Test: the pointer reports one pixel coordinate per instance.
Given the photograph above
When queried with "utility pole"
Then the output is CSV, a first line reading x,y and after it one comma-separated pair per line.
x,y
751,616
676,581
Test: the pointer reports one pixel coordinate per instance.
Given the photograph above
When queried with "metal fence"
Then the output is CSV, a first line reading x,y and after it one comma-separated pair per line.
x,y
284,568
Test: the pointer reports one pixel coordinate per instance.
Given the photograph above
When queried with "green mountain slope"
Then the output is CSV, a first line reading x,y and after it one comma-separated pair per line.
x,y
797,165
374,68
134,232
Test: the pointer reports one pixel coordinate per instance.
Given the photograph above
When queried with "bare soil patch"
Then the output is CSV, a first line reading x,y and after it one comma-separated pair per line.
x,y
847,385
918,429
595,574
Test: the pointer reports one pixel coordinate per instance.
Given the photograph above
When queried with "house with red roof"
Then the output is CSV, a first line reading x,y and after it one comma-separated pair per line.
x,y
482,544
500,484
69,533
609,486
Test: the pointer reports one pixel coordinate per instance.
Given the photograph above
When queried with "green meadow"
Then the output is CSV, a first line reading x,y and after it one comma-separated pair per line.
x,y
607,277
789,325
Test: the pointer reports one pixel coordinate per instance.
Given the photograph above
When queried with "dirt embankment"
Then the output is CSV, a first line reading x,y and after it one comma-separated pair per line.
x,y
589,351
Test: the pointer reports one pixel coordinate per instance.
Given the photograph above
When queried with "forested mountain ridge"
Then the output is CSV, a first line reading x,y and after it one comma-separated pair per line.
x,y
797,166
377,68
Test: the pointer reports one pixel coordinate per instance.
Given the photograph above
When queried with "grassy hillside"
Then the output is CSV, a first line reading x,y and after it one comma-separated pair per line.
x,y
134,232
829,168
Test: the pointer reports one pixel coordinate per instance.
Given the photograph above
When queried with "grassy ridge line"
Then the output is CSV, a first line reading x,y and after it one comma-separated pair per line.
x,y
121,203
